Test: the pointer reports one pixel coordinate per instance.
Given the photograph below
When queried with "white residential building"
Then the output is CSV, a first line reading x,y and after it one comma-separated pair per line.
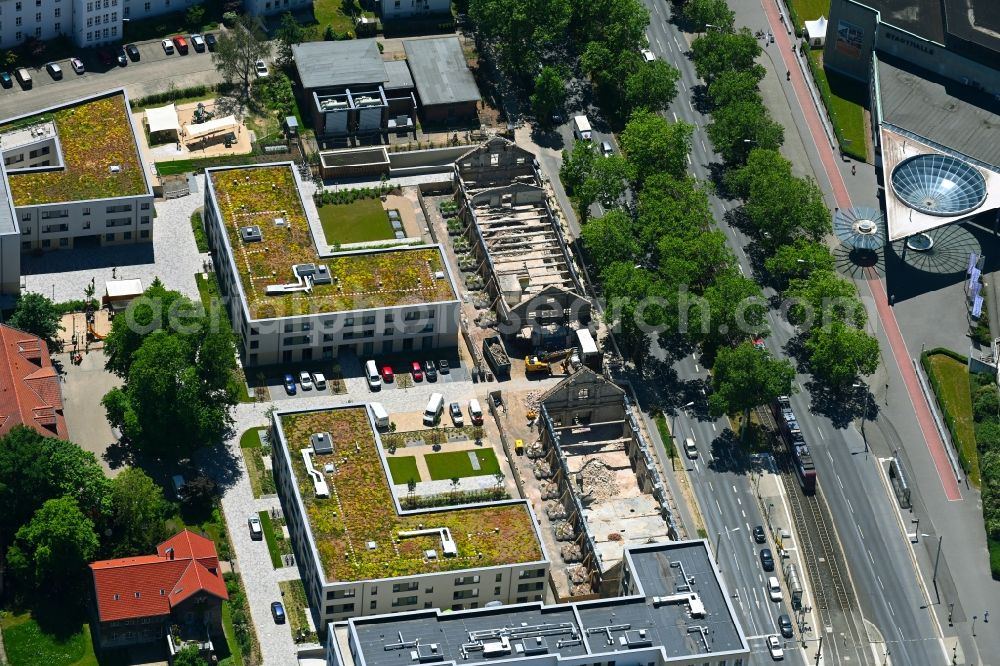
x,y
399,9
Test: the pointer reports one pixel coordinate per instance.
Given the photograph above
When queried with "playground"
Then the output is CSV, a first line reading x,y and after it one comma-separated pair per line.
x,y
78,334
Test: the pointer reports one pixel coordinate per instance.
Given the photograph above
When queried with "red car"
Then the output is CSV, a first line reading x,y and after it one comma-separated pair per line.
x,y
387,375
181,44
418,372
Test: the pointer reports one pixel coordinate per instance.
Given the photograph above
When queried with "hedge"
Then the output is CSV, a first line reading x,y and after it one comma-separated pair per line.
x,y
961,443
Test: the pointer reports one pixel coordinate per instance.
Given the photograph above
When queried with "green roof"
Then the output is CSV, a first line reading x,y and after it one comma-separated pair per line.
x,y
249,196
360,509
94,136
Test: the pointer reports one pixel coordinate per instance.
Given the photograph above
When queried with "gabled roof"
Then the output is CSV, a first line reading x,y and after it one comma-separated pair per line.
x,y
151,585
582,376
30,392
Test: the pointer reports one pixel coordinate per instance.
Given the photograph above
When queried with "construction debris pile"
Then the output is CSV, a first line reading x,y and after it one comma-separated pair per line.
x,y
564,531
597,480
579,580
535,450
570,553
542,469
549,490
555,511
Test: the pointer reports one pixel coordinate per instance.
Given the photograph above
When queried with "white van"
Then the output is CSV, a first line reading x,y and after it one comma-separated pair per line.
x,y
23,77
371,373
475,412
381,416
432,413
774,589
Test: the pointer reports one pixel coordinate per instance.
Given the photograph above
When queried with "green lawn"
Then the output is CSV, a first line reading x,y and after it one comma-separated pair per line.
x,y
668,440
842,99
356,222
809,10
235,656
293,597
200,239
403,469
272,544
444,466
28,645
331,12
950,380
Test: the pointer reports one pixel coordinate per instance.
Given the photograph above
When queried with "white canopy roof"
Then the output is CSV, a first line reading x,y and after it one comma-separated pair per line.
x,y
215,125
816,29
123,288
163,119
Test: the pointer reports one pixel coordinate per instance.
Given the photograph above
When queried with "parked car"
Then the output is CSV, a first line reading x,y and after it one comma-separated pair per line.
x,y
77,65
23,77
766,559
181,44
774,647
387,375
785,626
306,380
256,532
168,46
758,534
55,71
690,449
198,42
647,55
774,589
261,69
133,52
106,57
759,343
455,410
6,80
289,384
319,381
417,371
278,612
606,149
430,371
121,57
210,41
443,367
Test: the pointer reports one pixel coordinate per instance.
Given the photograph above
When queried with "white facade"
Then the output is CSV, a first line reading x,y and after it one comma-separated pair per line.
x,y
397,9
268,7
21,20
97,22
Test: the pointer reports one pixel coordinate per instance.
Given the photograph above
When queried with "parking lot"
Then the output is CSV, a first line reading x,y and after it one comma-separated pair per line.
x,y
154,72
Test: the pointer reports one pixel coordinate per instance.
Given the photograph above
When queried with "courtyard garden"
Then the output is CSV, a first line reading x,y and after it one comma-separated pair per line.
x,y
403,469
458,464
355,222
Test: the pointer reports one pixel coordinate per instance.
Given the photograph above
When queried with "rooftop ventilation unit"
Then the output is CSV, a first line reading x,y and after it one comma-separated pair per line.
x,y
367,101
279,222
332,105
115,168
535,645
635,639
497,648
321,443
693,601
371,545
251,234
319,484
428,652
431,554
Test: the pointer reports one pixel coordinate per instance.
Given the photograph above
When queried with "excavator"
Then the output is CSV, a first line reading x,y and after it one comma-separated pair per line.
x,y
535,364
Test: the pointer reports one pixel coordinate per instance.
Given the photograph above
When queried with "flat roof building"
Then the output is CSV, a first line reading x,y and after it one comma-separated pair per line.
x,y
446,88
294,297
361,553
672,609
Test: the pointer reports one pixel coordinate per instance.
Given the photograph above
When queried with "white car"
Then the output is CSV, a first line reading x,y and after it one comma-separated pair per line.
x,y
77,65
306,380
256,532
774,647
261,69
168,46
774,589
690,449
319,380
647,55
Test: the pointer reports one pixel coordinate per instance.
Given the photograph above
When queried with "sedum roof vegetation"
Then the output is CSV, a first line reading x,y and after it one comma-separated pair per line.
x,y
360,509
251,196
94,135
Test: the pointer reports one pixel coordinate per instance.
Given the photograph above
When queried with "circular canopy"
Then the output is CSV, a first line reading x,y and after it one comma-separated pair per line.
x,y
860,228
939,185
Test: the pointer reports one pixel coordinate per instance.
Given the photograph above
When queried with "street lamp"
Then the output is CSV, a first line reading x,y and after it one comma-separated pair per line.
x,y
974,618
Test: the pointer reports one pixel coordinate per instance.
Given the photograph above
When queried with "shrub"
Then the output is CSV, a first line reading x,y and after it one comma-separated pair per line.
x,y
985,404
988,435
76,306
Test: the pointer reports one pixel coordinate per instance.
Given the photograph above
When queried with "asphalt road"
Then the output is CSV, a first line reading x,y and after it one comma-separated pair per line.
x,y
154,72
876,552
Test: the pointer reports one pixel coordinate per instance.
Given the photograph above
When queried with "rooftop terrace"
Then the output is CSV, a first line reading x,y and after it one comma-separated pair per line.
x,y
268,197
95,135
361,509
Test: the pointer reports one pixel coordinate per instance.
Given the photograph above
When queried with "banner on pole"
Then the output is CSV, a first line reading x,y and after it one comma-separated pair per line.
x,y
972,263
977,307
973,277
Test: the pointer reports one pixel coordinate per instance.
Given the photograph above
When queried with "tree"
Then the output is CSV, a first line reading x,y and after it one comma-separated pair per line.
x,y
549,95
189,656
54,547
136,510
36,314
520,29
278,96
237,52
289,33
732,309
157,308
652,145
738,127
670,206
194,16
762,167
782,209
798,259
744,377
701,13
822,298
651,86
734,86
695,259
577,166
610,239
637,305
838,352
606,181
989,470
717,51
34,469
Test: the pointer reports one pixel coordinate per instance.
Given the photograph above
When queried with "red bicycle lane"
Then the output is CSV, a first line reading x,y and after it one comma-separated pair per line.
x,y
876,288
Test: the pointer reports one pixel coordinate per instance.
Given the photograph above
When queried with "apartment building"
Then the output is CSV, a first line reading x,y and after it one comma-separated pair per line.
x,y
361,553
75,177
672,609
401,9
295,295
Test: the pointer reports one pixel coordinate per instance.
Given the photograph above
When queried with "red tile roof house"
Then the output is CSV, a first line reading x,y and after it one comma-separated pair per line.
x,y
30,392
139,599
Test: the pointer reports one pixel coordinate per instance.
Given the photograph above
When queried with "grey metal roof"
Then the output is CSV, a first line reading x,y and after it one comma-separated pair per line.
x,y
945,112
975,21
921,17
399,75
573,629
440,71
339,64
